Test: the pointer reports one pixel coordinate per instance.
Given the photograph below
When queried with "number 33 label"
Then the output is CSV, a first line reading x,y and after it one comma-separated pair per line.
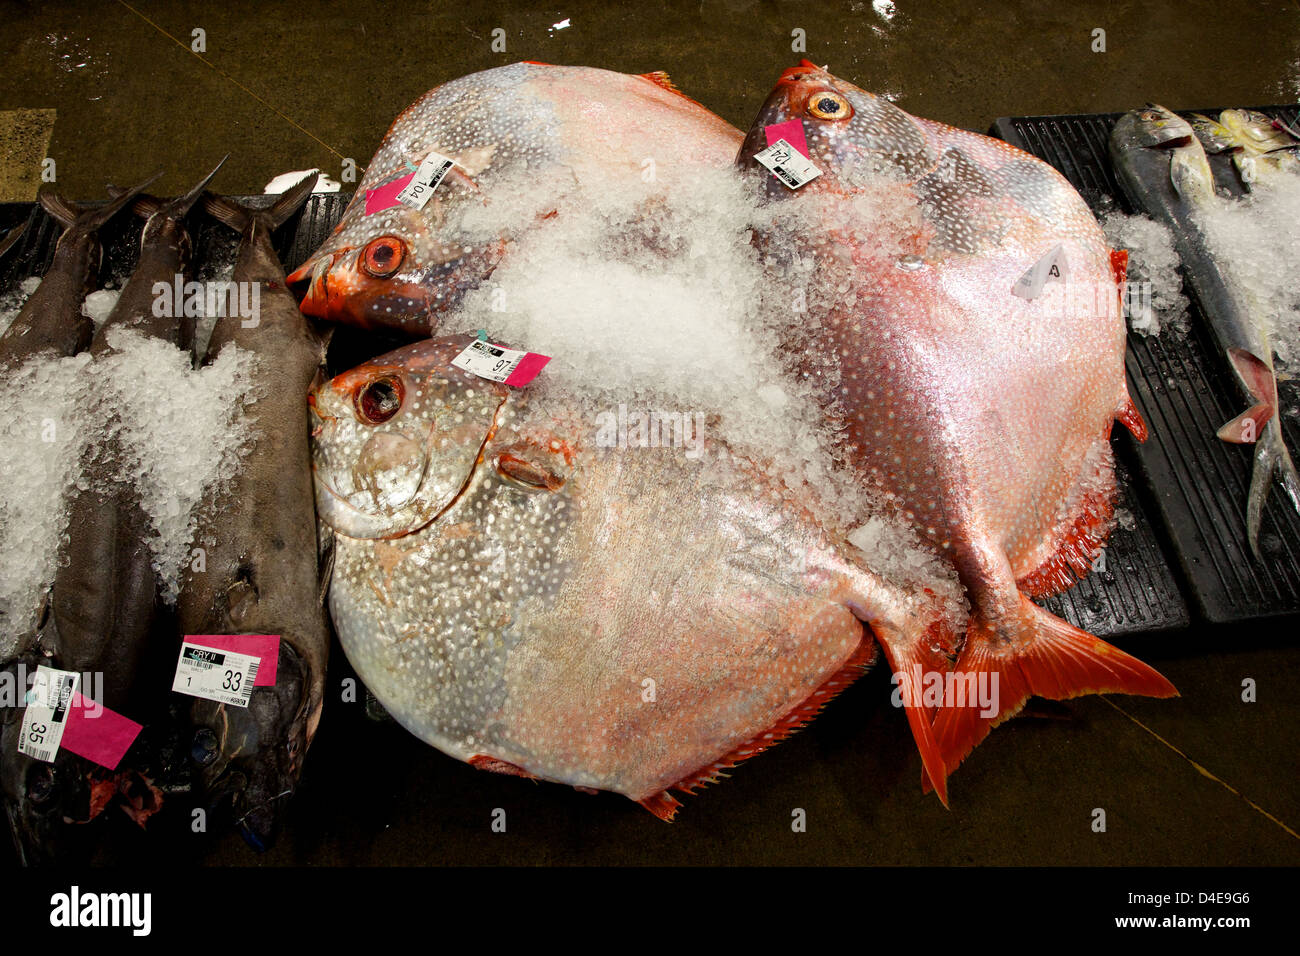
x,y
212,674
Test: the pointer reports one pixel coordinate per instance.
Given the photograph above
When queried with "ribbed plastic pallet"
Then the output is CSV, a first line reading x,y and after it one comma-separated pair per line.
x,y
1185,390
1133,589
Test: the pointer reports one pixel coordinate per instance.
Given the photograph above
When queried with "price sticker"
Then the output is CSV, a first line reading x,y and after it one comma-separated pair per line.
x,y
787,164
48,704
426,179
500,364
214,674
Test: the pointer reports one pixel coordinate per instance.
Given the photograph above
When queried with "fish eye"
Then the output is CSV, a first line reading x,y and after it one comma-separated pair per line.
x,y
383,256
378,401
40,785
204,749
829,105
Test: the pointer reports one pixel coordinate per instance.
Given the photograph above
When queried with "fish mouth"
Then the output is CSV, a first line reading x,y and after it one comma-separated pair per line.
x,y
320,298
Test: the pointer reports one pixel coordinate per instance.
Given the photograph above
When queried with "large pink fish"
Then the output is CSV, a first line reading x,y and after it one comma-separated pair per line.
x,y
522,136
986,413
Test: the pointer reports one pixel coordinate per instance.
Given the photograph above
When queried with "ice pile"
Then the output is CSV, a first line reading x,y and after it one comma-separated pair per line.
x,y
1152,268
661,297
41,436
182,431
99,304
1256,241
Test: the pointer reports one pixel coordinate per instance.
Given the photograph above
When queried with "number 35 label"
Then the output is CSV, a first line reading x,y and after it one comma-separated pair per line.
x,y
212,674
46,717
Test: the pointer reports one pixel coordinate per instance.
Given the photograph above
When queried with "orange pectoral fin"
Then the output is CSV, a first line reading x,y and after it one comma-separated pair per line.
x,y
1246,428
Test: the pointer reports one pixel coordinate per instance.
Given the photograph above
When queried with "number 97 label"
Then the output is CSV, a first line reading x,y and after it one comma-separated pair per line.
x,y
212,674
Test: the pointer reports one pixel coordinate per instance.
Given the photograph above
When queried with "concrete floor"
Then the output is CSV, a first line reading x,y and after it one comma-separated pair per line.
x,y
1205,779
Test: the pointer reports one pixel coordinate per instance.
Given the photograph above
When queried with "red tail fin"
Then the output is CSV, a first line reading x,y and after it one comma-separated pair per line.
x,y
1054,659
906,665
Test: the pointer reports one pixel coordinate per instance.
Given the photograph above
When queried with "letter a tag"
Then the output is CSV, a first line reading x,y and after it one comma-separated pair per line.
x,y
1051,268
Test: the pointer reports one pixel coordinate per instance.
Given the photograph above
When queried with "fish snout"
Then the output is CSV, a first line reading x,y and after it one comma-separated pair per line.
x,y
320,285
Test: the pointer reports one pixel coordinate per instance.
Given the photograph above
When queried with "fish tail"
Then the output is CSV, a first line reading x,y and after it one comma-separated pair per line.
x,y
1048,658
1272,460
183,205
12,237
905,661
237,217
89,220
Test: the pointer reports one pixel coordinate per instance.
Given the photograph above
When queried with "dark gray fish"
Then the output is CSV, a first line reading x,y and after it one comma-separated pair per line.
x,y
261,567
102,608
1163,169
51,317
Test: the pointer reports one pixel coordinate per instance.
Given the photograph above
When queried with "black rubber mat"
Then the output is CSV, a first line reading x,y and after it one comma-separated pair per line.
x,y
1185,390
1132,590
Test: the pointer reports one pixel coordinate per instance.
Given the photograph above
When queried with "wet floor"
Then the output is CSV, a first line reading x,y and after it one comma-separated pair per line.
x,y
1207,778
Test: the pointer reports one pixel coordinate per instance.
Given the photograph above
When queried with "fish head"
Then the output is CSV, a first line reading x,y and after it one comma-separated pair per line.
x,y
395,440
1152,127
853,136
392,269
251,757
43,801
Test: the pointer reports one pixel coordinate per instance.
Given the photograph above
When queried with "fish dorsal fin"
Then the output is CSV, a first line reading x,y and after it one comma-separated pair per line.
x,y
660,78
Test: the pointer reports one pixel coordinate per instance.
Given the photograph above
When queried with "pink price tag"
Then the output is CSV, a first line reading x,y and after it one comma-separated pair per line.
x,y
265,647
791,131
527,369
97,733
384,197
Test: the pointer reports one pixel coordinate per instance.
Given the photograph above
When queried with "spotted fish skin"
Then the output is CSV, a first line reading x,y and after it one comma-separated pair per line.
x,y
521,136
625,620
986,414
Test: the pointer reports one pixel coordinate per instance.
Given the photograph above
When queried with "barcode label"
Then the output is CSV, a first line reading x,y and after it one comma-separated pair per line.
x,y
213,674
500,364
426,179
787,164
46,716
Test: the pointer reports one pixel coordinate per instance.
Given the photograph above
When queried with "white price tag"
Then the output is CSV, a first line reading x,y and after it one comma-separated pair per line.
x,y
788,164
488,361
212,674
46,717
1051,268
417,192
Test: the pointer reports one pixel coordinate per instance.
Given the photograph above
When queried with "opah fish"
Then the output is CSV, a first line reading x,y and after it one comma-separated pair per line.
x,y
522,137
985,413
528,602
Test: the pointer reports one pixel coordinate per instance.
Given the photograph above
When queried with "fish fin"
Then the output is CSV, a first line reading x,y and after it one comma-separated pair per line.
x,y
664,805
89,220
1260,382
1247,427
484,762
661,78
12,237
62,211
292,199
227,212
182,204
1050,658
144,205
1082,542
1271,460
1119,266
904,663
1129,416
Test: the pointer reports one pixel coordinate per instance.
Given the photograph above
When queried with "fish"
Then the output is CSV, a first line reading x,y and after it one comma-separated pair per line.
x,y
533,604
51,320
103,603
984,414
260,573
11,238
1255,141
1163,170
522,136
